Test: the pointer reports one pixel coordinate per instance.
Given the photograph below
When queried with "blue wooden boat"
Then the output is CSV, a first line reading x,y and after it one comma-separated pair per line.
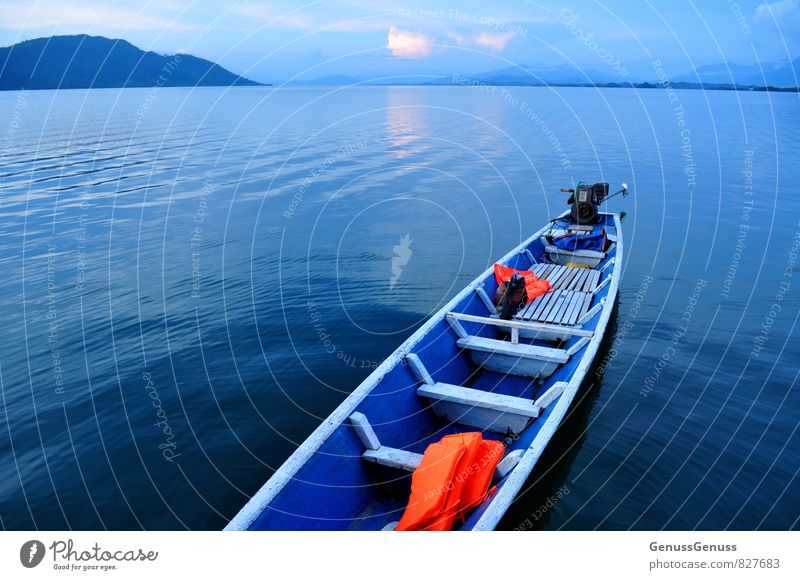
x,y
465,369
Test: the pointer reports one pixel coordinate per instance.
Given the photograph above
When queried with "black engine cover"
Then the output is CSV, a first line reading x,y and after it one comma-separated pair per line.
x,y
586,202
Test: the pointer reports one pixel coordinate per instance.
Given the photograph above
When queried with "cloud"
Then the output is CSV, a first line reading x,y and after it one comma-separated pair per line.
x,y
785,14
459,39
486,40
779,22
293,18
415,44
495,42
781,10
63,17
407,44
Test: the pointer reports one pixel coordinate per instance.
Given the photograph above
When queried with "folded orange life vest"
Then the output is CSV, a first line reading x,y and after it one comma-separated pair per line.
x,y
534,286
452,478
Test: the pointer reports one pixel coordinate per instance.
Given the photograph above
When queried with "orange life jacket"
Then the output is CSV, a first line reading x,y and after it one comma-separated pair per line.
x,y
452,478
534,286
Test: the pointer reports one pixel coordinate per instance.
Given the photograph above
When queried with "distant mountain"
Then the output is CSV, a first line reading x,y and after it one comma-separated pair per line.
x,y
82,61
775,74
345,80
330,80
713,77
549,75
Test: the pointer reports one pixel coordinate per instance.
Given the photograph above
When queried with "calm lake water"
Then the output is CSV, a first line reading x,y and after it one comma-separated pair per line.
x,y
166,254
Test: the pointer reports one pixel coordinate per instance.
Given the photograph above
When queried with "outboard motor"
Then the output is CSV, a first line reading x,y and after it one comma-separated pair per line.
x,y
585,201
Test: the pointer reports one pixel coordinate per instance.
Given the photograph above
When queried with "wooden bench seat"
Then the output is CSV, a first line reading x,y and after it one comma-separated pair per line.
x,y
589,257
481,409
525,360
403,460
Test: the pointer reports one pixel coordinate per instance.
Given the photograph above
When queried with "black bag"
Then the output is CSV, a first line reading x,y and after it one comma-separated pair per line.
x,y
511,296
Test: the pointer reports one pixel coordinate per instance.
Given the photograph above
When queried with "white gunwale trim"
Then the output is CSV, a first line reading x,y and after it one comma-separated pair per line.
x,y
529,255
501,500
604,283
607,264
521,325
481,292
419,370
507,464
577,346
551,395
286,472
365,431
457,328
593,310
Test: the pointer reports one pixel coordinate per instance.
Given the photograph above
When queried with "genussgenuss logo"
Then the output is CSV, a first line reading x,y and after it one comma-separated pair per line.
x,y
66,555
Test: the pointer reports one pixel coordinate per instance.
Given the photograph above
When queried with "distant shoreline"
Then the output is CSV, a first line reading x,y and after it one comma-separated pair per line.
x,y
145,87
646,85
684,86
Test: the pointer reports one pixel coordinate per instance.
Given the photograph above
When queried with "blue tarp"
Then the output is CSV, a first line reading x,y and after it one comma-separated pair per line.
x,y
592,241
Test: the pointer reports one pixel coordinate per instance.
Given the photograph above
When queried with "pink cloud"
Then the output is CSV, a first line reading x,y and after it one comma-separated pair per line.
x,y
408,44
495,42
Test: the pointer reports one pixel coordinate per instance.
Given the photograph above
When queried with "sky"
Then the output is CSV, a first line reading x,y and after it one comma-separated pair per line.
x,y
279,40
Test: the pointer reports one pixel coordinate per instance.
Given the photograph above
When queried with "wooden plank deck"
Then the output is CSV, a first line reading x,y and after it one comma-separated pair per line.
x,y
570,299
556,307
565,278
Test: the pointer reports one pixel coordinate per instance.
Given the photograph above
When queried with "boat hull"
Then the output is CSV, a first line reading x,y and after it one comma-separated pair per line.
x,y
329,483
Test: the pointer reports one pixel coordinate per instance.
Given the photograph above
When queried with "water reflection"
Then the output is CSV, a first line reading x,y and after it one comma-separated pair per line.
x,y
407,125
